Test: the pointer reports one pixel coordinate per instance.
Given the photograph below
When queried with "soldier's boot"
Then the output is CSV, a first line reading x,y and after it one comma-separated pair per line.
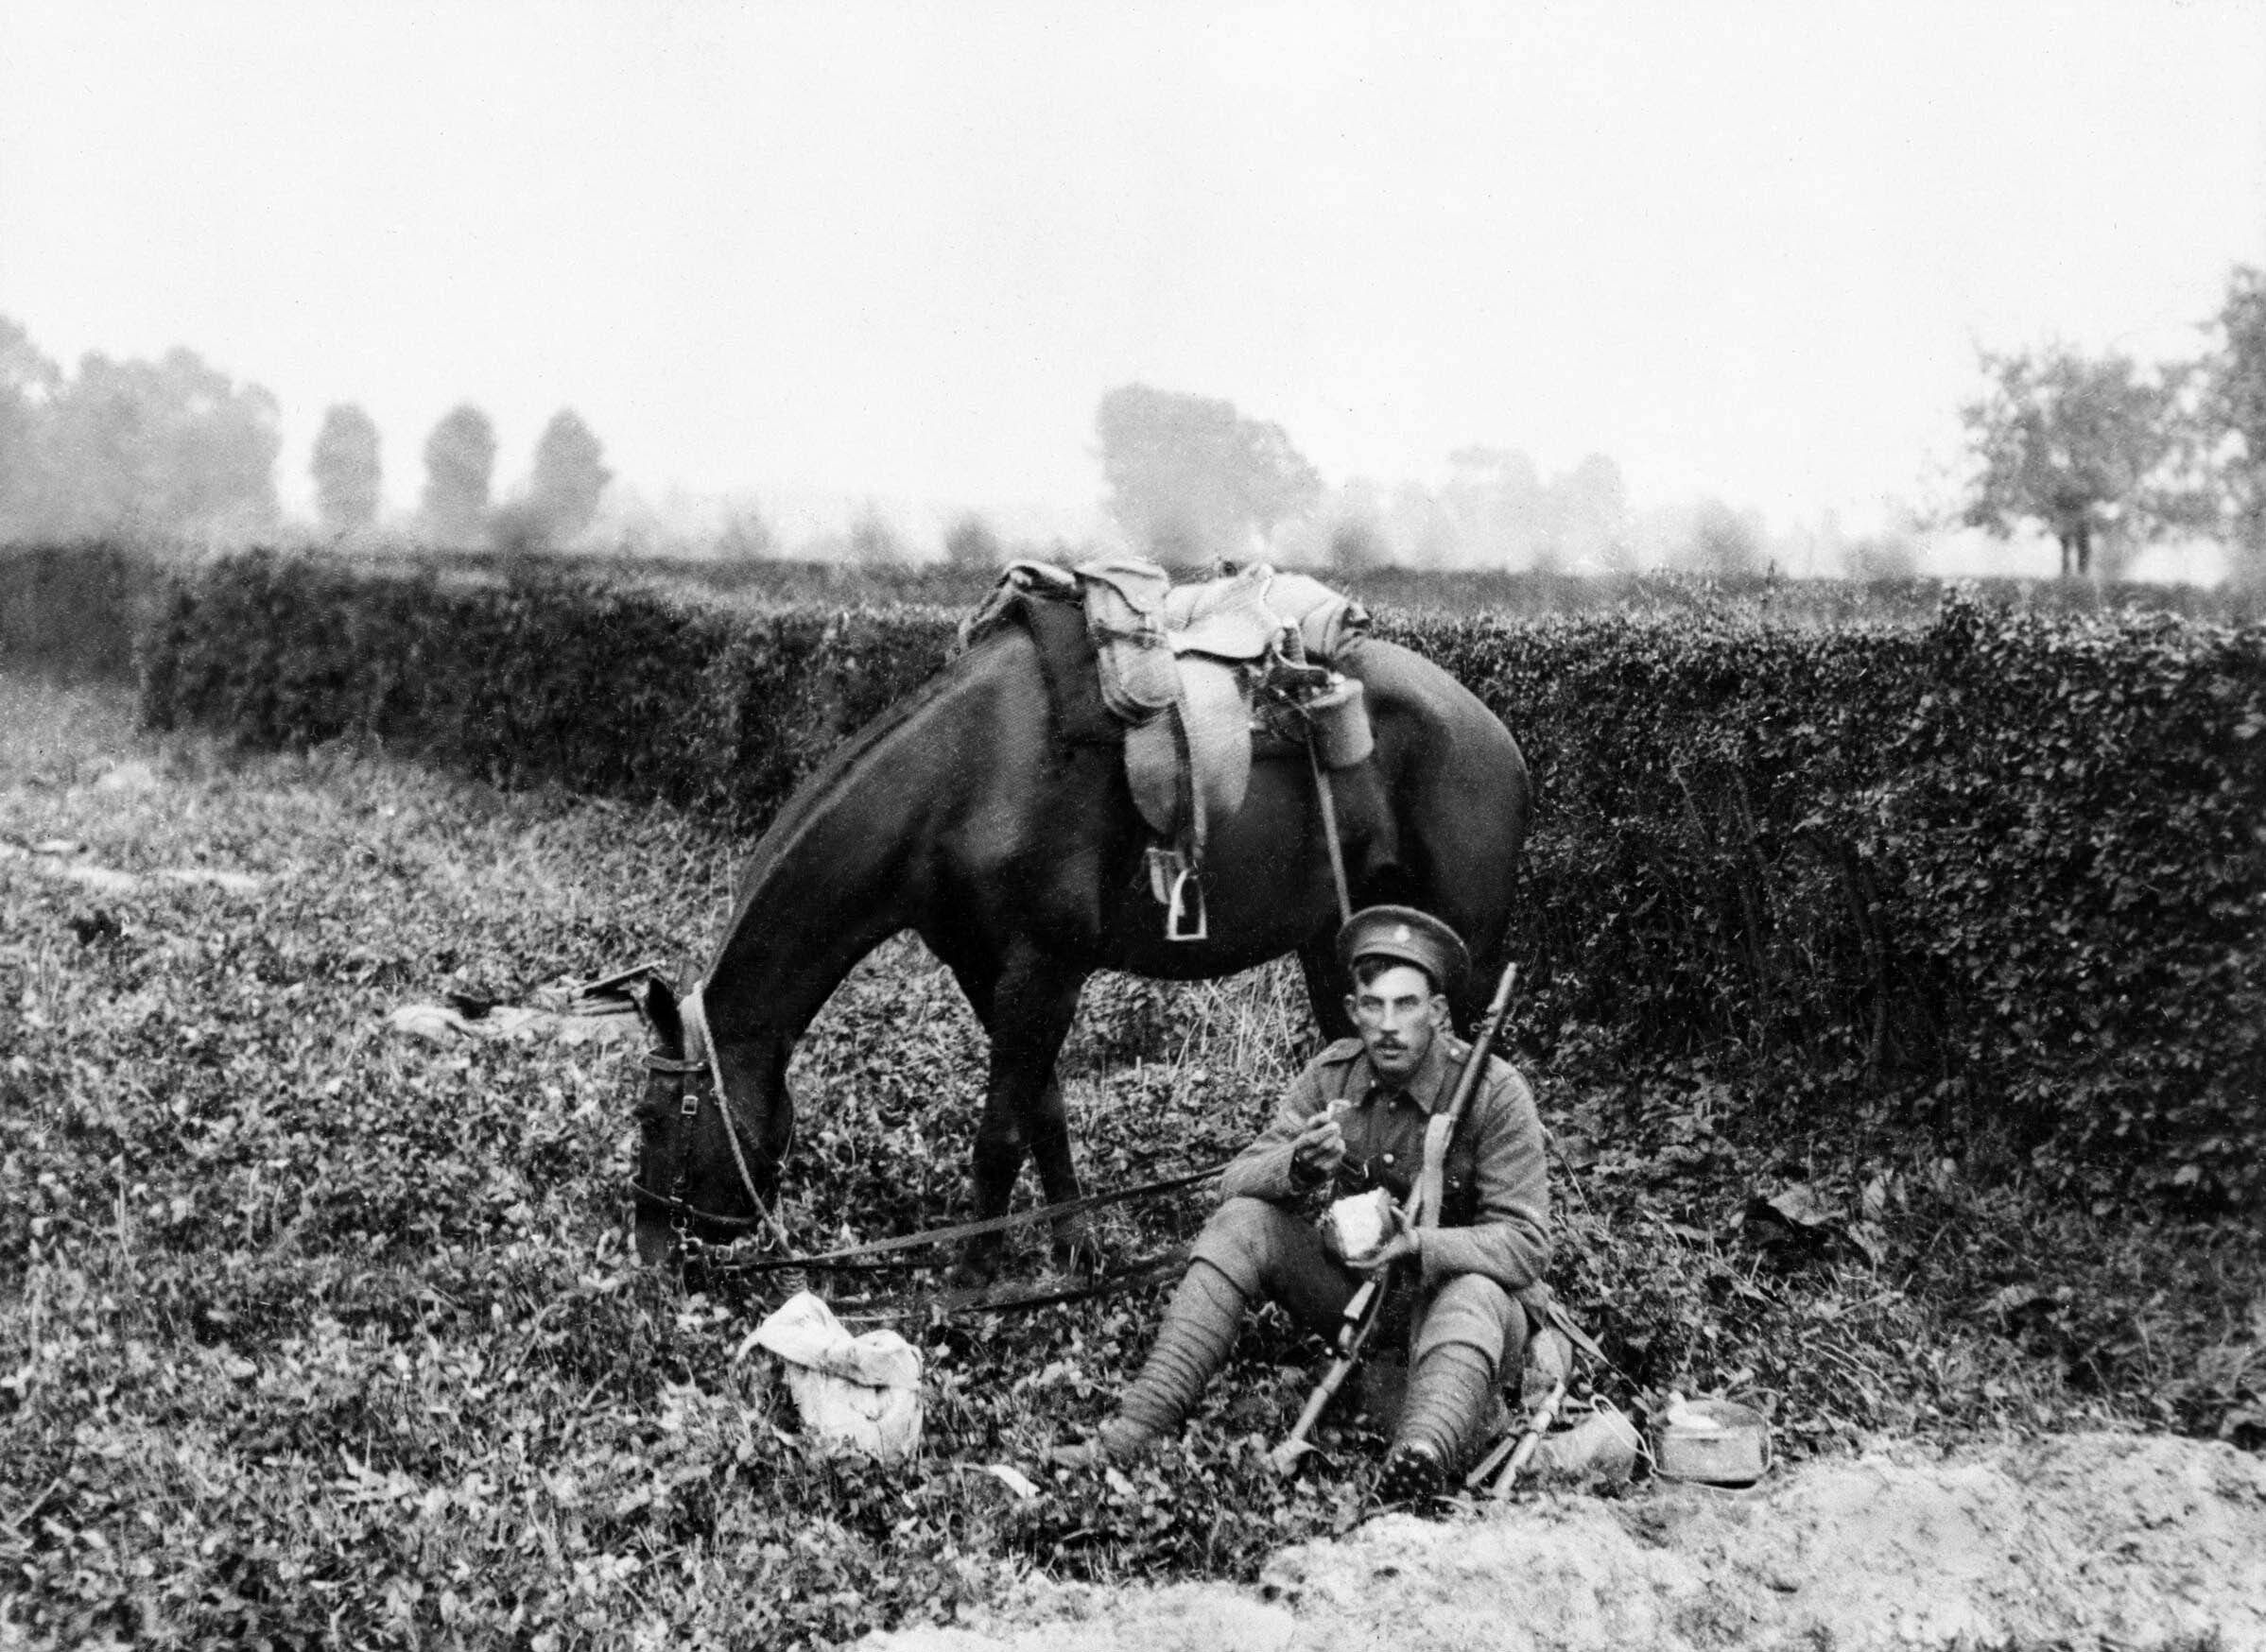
x,y
1449,1394
1191,1345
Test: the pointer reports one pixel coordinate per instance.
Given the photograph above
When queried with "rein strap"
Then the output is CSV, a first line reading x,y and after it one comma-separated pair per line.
x,y
1092,1201
694,1012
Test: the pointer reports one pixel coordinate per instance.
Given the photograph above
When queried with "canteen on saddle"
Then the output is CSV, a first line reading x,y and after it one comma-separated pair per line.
x,y
1192,677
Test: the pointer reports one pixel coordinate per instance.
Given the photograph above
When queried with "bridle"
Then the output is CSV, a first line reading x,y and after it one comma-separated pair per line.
x,y
701,1061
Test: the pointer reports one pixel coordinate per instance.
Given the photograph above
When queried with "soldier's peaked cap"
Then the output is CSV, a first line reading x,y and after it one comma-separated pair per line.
x,y
1412,938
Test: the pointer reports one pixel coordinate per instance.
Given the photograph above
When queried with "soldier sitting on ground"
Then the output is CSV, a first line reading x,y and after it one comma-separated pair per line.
x,y
1354,1119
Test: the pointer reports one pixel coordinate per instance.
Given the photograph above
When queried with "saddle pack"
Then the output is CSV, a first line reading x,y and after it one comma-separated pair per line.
x,y
1191,678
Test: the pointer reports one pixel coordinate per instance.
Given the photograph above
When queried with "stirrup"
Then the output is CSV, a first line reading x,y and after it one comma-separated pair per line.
x,y
1177,888
1185,918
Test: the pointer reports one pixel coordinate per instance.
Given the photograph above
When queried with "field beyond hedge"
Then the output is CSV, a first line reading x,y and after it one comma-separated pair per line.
x,y
311,1333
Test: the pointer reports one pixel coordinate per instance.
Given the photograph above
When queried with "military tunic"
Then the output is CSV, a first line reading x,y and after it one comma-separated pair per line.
x,y
1495,1234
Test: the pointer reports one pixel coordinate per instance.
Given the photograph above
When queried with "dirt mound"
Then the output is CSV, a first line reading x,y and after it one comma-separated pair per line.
x,y
2087,1539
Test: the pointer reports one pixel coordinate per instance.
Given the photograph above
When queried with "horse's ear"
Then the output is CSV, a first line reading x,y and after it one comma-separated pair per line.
x,y
657,1004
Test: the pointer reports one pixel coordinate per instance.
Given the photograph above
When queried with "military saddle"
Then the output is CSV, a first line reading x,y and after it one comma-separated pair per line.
x,y
1190,677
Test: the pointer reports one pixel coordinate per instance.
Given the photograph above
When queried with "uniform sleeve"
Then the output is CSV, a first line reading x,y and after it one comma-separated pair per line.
x,y
1509,1239
1262,1170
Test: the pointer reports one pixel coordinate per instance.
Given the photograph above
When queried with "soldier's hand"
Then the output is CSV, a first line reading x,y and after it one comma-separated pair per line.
x,y
1320,1148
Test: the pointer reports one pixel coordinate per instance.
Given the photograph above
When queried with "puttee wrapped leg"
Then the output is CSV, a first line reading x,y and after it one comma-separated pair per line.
x,y
1194,1341
1472,1332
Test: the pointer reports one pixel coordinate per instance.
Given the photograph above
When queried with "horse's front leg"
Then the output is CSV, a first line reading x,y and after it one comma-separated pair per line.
x,y
1031,1008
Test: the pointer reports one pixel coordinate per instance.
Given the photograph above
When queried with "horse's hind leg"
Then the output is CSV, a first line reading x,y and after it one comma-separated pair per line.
x,y
1029,1008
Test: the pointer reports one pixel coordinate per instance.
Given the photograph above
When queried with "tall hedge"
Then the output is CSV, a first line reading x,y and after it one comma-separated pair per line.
x,y
2016,865
74,611
574,682
2008,869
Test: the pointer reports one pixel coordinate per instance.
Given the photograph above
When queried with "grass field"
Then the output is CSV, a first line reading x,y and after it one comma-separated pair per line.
x,y
310,1333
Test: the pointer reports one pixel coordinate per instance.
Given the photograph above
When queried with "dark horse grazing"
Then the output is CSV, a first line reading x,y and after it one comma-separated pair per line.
x,y
960,813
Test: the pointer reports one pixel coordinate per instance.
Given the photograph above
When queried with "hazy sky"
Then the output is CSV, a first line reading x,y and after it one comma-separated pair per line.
x,y
902,249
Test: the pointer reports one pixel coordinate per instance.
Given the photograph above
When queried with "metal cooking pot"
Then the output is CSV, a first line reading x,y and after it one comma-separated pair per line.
x,y
1716,1442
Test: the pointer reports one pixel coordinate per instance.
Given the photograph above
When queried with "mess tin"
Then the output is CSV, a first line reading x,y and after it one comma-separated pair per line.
x,y
1360,1222
1716,1442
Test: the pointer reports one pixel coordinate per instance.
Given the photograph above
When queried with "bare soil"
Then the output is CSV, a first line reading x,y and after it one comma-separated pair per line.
x,y
2088,1540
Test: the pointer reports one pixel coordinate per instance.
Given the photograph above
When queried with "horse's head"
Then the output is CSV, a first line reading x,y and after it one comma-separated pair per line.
x,y
707,1163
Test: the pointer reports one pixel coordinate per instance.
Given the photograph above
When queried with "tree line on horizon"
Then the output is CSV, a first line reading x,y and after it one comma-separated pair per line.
x,y
175,448
2100,453
1192,481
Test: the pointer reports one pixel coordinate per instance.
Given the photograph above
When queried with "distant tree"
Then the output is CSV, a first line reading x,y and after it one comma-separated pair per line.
x,y
520,535
1420,528
1495,498
346,470
969,543
746,536
1278,482
2081,447
874,543
568,479
173,446
1588,510
1725,542
1190,479
29,382
1357,544
1881,557
459,465
1497,511
2233,419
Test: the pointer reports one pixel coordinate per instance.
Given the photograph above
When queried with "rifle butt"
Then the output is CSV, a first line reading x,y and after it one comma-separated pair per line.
x,y
1284,1458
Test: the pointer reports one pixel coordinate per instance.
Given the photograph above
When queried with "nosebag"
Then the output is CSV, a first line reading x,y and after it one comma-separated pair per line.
x,y
853,1393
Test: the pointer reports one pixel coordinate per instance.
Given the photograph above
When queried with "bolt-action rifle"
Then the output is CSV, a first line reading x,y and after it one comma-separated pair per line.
x,y
1368,1303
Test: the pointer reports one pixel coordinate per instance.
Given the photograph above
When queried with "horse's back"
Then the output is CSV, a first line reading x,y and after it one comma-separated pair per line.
x,y
1461,795
1048,824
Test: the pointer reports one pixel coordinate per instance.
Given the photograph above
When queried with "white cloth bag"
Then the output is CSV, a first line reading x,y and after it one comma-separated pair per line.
x,y
857,1393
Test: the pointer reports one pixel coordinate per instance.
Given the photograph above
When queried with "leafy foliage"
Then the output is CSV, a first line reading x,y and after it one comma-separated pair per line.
x,y
2079,446
2000,871
572,683
1502,513
971,543
346,469
75,611
2234,414
311,1333
1191,479
568,479
460,468
153,448
27,381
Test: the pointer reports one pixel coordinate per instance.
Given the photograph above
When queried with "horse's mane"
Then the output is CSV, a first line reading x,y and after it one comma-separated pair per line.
x,y
810,801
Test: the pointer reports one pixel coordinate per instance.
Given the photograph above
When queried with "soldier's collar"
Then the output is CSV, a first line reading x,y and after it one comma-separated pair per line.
x,y
1434,1080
